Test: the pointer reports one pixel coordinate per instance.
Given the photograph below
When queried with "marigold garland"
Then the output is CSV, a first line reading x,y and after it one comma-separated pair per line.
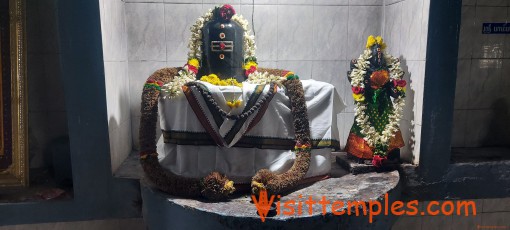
x,y
215,80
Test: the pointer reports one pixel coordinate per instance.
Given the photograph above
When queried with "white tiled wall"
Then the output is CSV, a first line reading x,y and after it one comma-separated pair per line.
x,y
482,98
308,37
405,32
314,38
113,29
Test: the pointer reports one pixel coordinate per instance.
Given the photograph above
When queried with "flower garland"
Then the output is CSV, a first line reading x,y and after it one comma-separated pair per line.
x,y
376,140
278,183
215,80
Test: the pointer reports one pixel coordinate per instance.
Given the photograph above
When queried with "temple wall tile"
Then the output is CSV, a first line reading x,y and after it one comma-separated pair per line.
x,y
345,121
138,73
463,222
496,205
492,3
117,88
334,72
415,144
478,131
424,30
135,126
391,2
302,68
436,222
362,23
234,3
481,96
331,2
461,93
411,29
295,33
119,147
259,2
366,2
484,83
488,45
330,22
410,106
408,222
467,29
113,29
265,32
459,129
146,31
392,27
410,125
295,2
495,219
468,2
178,20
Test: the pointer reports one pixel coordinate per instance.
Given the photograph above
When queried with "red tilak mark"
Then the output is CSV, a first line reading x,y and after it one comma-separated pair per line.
x,y
222,46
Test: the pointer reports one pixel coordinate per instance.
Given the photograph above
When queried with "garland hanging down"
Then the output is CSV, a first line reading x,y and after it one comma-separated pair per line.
x,y
170,81
214,186
378,141
278,183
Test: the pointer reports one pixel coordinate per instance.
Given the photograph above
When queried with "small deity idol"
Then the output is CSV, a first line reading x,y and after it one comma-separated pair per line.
x,y
376,78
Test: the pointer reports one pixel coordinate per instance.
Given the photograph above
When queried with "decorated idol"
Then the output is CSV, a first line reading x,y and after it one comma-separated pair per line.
x,y
228,124
378,91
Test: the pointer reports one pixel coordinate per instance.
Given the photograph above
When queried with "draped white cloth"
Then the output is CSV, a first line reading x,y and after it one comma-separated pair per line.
x,y
241,163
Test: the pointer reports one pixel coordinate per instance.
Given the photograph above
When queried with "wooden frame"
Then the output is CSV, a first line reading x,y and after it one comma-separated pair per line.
x,y
13,106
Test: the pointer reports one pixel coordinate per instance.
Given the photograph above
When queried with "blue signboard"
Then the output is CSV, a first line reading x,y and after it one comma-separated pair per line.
x,y
496,28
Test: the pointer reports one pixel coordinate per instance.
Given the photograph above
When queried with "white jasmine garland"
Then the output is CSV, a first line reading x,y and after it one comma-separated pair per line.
x,y
371,136
262,78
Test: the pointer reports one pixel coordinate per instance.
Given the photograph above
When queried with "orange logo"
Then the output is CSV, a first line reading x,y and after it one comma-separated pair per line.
x,y
263,204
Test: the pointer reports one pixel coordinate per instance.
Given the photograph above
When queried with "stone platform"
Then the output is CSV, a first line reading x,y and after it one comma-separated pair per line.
x,y
353,165
162,211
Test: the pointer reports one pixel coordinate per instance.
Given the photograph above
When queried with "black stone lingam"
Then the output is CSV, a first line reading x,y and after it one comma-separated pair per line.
x,y
222,47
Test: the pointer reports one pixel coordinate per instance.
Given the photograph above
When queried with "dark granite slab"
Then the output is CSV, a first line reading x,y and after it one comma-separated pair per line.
x,y
241,213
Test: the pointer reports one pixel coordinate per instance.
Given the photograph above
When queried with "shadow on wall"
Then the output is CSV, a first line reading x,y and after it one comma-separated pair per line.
x,y
498,134
407,123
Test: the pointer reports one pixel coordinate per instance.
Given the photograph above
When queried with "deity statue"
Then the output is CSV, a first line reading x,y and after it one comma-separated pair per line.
x,y
228,124
379,92
222,47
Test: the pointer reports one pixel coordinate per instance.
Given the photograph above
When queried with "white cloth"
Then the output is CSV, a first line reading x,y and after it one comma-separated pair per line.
x,y
238,163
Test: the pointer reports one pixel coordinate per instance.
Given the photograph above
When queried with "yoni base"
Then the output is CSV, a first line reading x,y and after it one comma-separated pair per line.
x,y
162,211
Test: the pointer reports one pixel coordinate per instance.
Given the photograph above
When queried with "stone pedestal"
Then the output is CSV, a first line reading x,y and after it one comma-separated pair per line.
x,y
354,166
162,211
